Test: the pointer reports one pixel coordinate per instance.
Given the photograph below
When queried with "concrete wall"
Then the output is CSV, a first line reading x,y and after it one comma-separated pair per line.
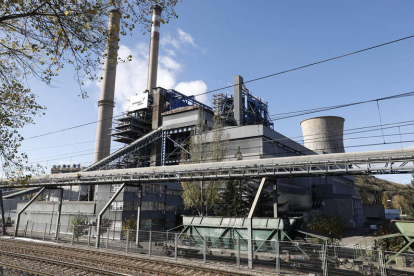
x,y
42,212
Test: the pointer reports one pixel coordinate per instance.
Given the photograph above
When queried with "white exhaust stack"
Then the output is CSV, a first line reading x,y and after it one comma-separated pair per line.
x,y
106,103
154,49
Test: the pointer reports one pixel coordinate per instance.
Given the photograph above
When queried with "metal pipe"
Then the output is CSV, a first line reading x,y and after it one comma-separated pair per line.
x,y
154,49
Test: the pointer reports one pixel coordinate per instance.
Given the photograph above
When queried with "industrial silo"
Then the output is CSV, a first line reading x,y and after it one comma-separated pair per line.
x,y
324,134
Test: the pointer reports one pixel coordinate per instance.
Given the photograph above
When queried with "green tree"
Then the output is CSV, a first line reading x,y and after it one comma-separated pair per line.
x,y
389,244
129,224
38,38
409,201
106,223
330,226
79,224
202,196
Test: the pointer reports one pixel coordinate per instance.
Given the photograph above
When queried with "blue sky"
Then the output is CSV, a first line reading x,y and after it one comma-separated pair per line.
x,y
213,40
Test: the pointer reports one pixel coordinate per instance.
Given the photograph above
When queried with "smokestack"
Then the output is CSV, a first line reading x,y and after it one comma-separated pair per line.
x,y
154,49
324,134
238,100
106,103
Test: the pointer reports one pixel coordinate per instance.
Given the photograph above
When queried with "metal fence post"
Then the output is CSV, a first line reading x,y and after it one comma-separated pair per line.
x,y
205,250
89,234
73,234
44,232
57,232
238,252
25,228
250,243
383,268
175,246
31,230
324,260
277,247
127,241
107,237
149,244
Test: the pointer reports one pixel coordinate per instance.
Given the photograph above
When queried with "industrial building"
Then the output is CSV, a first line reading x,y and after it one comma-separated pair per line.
x,y
160,123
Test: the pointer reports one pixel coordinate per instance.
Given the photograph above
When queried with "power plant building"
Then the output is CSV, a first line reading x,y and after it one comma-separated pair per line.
x,y
162,126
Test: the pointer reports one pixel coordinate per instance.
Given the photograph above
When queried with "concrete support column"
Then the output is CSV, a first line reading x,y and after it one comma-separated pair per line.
x,y
275,199
238,100
159,97
106,103
154,49
139,215
59,212
158,103
3,226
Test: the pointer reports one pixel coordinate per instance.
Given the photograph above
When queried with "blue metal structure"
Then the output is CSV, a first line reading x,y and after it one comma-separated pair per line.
x,y
176,99
255,110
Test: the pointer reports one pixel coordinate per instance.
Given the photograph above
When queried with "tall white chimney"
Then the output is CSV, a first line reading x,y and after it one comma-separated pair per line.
x,y
154,49
106,103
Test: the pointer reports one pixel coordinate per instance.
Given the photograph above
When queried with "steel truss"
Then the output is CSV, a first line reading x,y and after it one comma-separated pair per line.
x,y
361,163
255,110
176,99
174,143
131,148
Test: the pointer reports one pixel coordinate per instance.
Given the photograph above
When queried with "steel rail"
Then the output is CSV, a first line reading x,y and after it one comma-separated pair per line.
x,y
66,264
25,270
123,257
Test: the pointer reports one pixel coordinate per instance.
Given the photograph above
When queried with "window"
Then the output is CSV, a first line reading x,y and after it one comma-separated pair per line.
x,y
152,206
175,192
115,187
116,206
152,224
153,189
170,208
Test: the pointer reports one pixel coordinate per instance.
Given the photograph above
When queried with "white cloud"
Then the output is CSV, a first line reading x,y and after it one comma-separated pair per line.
x,y
193,88
183,39
170,52
170,63
168,40
186,37
131,76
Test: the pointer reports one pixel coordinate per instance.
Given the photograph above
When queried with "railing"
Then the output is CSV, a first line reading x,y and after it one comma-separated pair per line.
x,y
270,256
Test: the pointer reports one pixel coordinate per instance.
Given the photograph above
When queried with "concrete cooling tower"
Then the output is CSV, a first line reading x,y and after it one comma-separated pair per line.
x,y
324,134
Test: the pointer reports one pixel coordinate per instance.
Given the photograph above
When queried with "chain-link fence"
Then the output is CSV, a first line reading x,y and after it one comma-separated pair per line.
x,y
278,257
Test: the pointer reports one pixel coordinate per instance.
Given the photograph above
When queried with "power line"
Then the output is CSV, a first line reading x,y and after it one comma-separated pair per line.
x,y
245,148
311,64
69,128
360,130
256,79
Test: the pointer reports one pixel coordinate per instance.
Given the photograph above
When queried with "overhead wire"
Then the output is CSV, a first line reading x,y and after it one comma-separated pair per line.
x,y
252,80
255,147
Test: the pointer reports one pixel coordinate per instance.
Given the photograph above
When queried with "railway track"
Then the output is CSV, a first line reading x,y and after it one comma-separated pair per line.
x,y
35,265
106,262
